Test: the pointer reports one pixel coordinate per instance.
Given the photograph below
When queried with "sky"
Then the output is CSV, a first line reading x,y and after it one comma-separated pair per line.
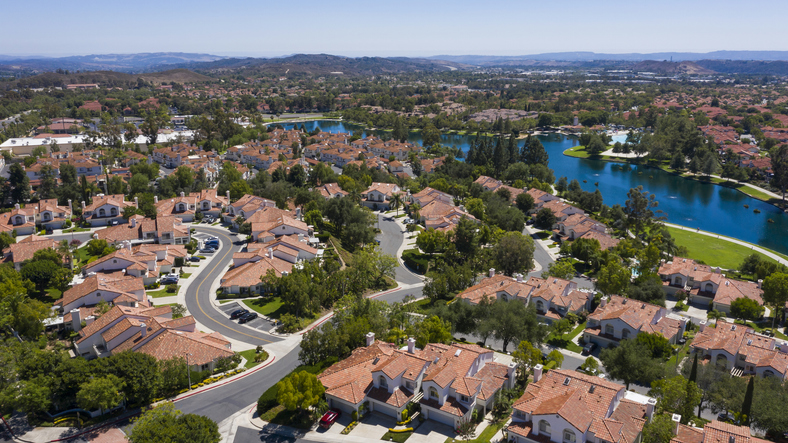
x,y
262,28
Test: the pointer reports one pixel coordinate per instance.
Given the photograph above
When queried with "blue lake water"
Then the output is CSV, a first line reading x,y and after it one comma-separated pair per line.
x,y
685,202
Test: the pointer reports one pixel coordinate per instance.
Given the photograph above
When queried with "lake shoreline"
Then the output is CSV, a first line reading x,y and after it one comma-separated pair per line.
x,y
572,152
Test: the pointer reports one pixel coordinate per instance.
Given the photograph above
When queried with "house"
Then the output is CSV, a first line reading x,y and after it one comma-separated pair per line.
x,y
619,318
183,207
553,298
115,288
290,248
51,216
378,195
331,190
21,220
560,210
740,349
105,210
24,249
448,381
704,284
147,261
493,185
209,202
246,278
151,331
428,195
565,406
442,216
272,222
165,230
246,206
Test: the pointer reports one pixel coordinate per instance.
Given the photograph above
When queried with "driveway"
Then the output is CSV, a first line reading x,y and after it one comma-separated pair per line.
x,y
373,426
432,432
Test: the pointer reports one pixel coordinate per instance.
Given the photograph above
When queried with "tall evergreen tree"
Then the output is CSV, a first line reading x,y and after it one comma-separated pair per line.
x,y
533,152
20,184
746,406
694,372
514,153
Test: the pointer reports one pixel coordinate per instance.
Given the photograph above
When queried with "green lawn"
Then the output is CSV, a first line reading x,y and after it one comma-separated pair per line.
x,y
566,341
83,257
162,293
269,306
249,355
487,434
396,436
186,275
67,231
711,250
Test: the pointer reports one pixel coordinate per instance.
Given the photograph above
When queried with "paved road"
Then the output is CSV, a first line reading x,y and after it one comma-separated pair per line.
x,y
224,401
244,435
391,237
81,236
198,299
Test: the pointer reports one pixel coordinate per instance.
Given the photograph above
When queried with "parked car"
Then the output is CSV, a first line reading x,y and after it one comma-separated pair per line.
x,y
212,244
726,417
249,316
170,279
238,313
207,250
589,348
194,258
329,418
591,371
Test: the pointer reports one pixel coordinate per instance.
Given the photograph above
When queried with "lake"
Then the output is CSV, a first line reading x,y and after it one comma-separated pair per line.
x,y
685,202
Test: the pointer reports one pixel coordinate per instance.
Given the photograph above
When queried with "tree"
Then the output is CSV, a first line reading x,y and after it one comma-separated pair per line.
x,y
432,330
659,429
524,202
48,186
613,278
6,240
299,391
775,292
526,356
676,395
431,241
694,371
400,132
631,361
656,343
779,159
514,252
533,152
475,207
768,406
746,407
20,184
396,201
101,393
164,423
430,135
639,210
34,396
44,274
590,365
746,309
545,219
556,356
561,269
514,320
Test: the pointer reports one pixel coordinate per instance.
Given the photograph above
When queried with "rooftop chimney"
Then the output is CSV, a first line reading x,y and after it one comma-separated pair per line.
x,y
76,321
650,405
228,195
155,199
270,253
16,206
519,277
133,222
492,272
183,194
89,319
537,373
136,203
677,421
702,325
510,372
760,283
70,209
370,338
784,347
411,345
143,330
83,205
603,303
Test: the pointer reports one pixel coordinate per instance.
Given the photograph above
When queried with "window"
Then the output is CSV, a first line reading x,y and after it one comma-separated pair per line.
x,y
519,414
677,281
181,207
569,436
102,213
768,373
19,221
433,392
544,427
113,211
741,357
383,383
609,329
709,287
539,306
464,398
625,333
410,385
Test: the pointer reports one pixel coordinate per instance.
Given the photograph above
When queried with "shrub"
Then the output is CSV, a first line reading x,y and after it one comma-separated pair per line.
x,y
172,288
178,262
354,415
289,323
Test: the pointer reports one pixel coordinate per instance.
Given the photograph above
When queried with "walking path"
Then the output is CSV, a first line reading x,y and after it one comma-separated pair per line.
x,y
733,240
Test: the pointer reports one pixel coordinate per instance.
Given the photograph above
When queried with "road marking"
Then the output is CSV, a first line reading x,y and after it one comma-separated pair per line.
x,y
198,296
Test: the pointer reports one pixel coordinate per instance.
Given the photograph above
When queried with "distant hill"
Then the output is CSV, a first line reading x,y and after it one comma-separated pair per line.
x,y
671,68
110,78
747,67
115,62
486,60
324,64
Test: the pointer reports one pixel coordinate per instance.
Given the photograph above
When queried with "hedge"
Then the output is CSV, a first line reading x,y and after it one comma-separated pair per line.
x,y
416,260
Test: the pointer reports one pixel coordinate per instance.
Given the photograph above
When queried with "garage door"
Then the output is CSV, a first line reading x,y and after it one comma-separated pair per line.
x,y
385,409
442,418
344,407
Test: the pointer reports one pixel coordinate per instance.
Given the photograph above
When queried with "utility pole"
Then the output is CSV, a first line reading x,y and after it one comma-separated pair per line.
x,y
188,371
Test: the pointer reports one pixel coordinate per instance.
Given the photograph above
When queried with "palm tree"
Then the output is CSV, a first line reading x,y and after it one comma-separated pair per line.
x,y
396,201
64,250
714,315
239,221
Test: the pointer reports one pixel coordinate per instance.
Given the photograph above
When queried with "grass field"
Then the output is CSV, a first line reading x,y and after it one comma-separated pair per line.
x,y
711,250
162,293
269,306
249,355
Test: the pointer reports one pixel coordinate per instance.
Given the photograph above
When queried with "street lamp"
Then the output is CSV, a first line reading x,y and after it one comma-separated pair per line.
x,y
188,371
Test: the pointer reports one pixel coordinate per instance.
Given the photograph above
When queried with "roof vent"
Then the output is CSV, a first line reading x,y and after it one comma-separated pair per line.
x,y
566,381
624,301
377,359
749,342
555,280
643,306
436,359
733,328
457,354
592,389
731,439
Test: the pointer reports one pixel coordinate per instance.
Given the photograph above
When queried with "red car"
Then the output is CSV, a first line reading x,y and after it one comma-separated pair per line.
x,y
329,418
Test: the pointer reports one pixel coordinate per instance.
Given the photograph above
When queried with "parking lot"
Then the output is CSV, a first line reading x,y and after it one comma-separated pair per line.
x,y
259,323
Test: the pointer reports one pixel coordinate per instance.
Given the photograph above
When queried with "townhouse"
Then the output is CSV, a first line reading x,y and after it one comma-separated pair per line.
x,y
51,216
165,230
378,195
21,220
246,206
106,210
271,222
24,250
564,406
331,190
741,351
249,268
150,331
209,202
115,288
428,195
447,381
619,318
553,298
582,226
704,284
146,261
493,185
442,216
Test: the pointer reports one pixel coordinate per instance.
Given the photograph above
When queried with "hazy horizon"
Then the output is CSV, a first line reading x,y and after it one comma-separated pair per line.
x,y
406,28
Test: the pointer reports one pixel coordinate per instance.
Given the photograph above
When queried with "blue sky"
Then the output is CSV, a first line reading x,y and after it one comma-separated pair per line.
x,y
390,28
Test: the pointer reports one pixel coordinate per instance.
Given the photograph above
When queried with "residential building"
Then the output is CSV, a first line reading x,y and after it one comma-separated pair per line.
x,y
115,288
378,195
742,351
493,185
165,230
619,318
51,216
271,222
24,249
105,210
448,381
246,206
564,406
704,284
553,298
246,278
147,261
21,220
331,190
428,195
